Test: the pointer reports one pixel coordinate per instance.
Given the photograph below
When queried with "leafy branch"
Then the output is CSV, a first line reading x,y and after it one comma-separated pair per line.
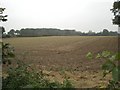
x,y
110,66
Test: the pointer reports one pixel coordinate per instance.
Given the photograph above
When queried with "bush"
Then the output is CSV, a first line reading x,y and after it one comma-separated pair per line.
x,y
24,76
111,65
7,53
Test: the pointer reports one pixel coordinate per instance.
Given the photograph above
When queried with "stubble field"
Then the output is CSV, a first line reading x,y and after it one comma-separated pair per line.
x,y
56,54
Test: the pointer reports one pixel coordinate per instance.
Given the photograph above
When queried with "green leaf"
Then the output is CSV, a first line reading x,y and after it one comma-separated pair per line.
x,y
105,73
118,56
116,74
106,54
112,58
108,65
89,55
116,5
98,55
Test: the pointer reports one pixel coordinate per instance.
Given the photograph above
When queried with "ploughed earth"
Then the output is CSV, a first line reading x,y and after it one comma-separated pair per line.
x,y
60,56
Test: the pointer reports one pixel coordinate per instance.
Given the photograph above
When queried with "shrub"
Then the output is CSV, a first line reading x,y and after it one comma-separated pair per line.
x,y
111,65
7,53
24,76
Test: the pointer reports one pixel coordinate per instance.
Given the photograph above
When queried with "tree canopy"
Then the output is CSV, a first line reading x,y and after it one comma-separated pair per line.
x,y
116,11
2,17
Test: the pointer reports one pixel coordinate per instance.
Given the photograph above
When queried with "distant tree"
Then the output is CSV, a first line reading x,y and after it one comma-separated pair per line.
x,y
91,33
105,32
11,32
17,32
111,33
47,32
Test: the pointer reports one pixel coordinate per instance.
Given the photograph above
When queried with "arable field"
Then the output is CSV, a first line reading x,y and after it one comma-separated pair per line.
x,y
56,54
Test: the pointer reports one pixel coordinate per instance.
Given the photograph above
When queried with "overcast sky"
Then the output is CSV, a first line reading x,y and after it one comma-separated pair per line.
x,y
81,15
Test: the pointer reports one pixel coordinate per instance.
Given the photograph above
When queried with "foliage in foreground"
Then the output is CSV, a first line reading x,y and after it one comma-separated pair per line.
x,y
7,53
24,76
110,65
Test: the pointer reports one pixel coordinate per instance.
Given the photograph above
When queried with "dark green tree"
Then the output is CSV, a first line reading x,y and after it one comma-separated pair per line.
x,y
17,32
105,32
11,32
3,30
2,17
116,12
7,51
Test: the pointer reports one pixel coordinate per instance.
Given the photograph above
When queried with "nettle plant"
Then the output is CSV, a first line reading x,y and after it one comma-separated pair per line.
x,y
110,66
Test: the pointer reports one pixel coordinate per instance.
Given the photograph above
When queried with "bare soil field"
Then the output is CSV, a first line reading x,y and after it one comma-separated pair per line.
x,y
56,54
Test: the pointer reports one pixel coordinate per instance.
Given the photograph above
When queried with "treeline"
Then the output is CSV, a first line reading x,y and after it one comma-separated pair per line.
x,y
47,32
105,32
32,32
